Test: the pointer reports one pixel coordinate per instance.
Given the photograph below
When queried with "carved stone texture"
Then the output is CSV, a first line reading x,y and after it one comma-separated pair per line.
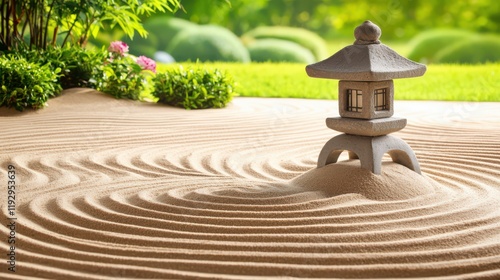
x,y
366,60
367,33
370,151
374,62
376,127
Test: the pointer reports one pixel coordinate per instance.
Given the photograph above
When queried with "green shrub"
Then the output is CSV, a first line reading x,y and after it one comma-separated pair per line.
x,y
77,65
276,50
208,43
193,88
480,49
303,37
25,84
427,44
164,28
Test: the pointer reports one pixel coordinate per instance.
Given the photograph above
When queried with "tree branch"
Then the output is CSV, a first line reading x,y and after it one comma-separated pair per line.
x,y
47,24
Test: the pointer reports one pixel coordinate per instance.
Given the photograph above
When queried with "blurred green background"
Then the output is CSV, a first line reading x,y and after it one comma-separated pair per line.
x,y
458,40
440,31
399,19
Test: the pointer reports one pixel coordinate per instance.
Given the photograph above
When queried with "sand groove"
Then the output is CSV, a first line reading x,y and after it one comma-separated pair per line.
x,y
116,189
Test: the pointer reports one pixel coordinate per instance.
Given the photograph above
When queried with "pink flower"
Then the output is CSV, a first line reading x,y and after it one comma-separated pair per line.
x,y
146,63
118,47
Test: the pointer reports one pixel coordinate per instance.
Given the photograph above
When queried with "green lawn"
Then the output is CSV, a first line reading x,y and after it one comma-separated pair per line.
x,y
440,82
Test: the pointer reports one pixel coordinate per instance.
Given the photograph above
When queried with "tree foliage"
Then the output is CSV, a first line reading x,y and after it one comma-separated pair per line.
x,y
40,23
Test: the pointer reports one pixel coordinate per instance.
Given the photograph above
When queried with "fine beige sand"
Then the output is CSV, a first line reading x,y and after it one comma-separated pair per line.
x,y
119,189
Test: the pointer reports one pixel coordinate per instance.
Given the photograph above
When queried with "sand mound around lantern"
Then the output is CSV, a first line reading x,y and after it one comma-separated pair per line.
x,y
396,182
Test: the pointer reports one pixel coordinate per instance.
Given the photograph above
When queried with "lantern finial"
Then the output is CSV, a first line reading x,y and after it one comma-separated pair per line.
x,y
367,33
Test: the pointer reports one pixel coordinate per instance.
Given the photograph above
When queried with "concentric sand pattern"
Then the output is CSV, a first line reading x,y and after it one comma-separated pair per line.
x,y
117,189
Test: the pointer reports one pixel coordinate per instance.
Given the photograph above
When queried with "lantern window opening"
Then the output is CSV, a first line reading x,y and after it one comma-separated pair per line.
x,y
381,100
354,100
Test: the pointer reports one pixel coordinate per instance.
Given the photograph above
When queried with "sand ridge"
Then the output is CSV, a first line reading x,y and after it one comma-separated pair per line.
x,y
120,189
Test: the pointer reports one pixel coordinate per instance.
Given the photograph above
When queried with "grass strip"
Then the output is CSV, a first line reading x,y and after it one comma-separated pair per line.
x,y
288,80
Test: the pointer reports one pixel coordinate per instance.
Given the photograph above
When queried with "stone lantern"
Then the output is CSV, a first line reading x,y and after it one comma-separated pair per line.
x,y
366,101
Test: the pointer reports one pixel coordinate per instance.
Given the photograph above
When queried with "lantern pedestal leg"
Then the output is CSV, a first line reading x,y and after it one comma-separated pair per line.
x,y
370,151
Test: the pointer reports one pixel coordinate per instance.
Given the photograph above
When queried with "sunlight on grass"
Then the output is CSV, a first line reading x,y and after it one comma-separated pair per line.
x,y
452,82
440,82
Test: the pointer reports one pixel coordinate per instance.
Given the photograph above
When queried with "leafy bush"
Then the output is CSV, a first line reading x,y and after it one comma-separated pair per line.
x,y
480,49
194,88
164,28
25,84
124,76
303,37
279,51
207,43
77,65
427,44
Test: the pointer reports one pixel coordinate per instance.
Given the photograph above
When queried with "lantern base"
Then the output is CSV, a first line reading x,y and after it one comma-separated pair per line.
x,y
370,151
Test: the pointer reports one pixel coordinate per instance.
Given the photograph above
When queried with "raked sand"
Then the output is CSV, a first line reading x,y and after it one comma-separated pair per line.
x,y
119,189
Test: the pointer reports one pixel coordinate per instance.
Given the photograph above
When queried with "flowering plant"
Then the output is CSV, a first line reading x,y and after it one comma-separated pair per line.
x,y
146,63
123,75
118,47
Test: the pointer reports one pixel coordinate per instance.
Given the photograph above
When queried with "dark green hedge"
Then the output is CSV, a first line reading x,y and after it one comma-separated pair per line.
x,y
427,44
480,49
276,50
303,37
165,28
208,43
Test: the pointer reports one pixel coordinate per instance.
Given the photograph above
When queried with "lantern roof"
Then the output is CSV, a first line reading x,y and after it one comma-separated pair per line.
x,y
366,60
